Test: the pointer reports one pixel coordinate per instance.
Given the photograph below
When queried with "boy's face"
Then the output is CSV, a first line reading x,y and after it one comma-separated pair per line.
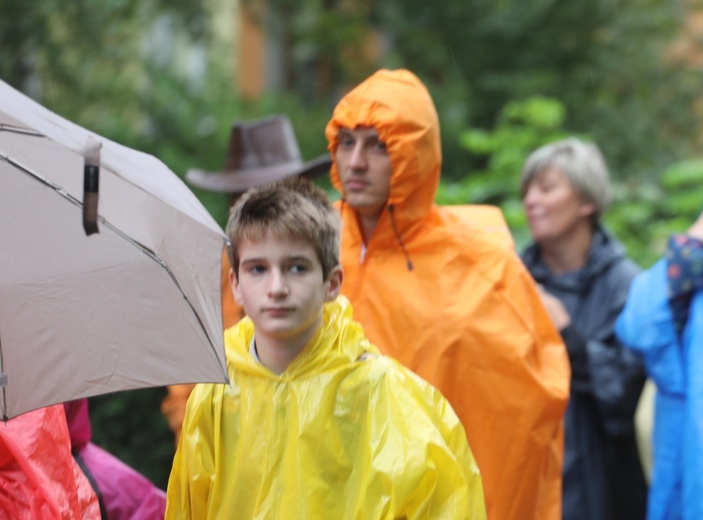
x,y
364,169
281,288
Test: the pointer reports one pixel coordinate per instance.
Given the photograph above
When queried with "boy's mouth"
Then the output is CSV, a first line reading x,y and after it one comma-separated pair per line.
x,y
278,311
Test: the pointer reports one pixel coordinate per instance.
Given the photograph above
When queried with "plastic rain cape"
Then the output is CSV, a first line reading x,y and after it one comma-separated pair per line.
x,y
467,317
342,433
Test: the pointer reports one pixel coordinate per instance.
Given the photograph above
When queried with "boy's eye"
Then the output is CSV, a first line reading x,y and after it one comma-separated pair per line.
x,y
381,146
298,268
256,269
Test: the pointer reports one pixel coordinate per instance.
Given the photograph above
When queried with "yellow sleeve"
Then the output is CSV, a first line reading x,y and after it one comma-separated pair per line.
x,y
439,478
193,468
456,489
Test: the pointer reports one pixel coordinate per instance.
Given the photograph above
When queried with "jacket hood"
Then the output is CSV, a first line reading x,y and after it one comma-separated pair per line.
x,y
605,251
338,342
400,108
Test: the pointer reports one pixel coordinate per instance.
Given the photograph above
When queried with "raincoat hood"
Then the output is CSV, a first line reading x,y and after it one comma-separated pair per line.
x,y
337,343
401,110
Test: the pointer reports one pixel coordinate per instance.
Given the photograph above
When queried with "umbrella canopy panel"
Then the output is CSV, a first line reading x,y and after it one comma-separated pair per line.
x,y
132,306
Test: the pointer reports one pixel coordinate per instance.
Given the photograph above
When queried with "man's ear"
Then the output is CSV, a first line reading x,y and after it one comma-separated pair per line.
x,y
234,283
334,283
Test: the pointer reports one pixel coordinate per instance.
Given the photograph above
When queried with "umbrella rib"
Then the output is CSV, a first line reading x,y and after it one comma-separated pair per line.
x,y
147,251
18,130
3,387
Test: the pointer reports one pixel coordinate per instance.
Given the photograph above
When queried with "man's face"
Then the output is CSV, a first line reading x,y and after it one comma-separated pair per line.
x,y
364,169
281,287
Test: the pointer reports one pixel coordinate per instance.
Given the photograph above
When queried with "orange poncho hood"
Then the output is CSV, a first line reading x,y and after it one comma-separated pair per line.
x,y
399,106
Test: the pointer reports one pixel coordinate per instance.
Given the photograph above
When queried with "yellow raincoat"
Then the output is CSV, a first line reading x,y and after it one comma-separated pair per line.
x,y
455,305
343,433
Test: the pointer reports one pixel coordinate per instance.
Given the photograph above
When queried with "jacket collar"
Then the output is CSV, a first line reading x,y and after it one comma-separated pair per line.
x,y
338,343
605,250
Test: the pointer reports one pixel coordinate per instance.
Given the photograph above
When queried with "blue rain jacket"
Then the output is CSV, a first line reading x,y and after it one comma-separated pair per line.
x,y
676,365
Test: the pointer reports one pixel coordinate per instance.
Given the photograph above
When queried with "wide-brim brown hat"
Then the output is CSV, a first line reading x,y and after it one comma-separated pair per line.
x,y
260,152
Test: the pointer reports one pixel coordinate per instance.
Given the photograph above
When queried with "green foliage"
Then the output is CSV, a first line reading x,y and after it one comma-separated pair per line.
x,y
130,426
605,61
522,127
643,214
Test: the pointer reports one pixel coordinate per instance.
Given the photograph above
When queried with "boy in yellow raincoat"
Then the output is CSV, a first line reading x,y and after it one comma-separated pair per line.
x,y
316,423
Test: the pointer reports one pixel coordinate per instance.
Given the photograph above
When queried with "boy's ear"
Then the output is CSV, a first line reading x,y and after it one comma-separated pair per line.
x,y
334,283
234,283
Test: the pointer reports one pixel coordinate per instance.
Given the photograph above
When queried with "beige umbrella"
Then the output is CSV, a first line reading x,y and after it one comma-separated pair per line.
x,y
135,304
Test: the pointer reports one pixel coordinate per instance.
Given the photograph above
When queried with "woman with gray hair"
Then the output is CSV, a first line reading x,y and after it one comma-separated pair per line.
x,y
583,276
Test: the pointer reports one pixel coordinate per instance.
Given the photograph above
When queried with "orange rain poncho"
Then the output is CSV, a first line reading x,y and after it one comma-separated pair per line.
x,y
343,433
467,317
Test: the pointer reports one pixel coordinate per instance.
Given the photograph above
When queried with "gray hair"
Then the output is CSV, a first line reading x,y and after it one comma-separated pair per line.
x,y
583,165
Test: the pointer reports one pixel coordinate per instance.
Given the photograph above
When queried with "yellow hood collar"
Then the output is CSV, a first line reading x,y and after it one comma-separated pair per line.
x,y
338,342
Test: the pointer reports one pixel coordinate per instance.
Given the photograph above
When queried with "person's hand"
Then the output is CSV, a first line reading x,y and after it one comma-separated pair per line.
x,y
696,230
556,310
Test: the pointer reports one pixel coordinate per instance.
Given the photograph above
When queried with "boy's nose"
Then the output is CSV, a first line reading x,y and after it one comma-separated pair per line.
x,y
278,286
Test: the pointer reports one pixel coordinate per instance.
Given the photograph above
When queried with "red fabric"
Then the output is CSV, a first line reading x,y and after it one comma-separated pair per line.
x,y
39,478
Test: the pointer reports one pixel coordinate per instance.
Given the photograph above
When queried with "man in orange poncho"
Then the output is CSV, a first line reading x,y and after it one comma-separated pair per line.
x,y
445,298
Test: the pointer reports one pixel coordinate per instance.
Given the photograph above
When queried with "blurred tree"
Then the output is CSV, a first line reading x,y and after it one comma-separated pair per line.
x,y
643,214
604,59
607,61
54,46
521,127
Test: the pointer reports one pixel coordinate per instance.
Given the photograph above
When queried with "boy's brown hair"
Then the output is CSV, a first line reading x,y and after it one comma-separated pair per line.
x,y
294,208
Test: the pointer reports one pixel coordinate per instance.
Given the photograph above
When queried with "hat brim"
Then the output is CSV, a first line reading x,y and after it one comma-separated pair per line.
x,y
238,181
